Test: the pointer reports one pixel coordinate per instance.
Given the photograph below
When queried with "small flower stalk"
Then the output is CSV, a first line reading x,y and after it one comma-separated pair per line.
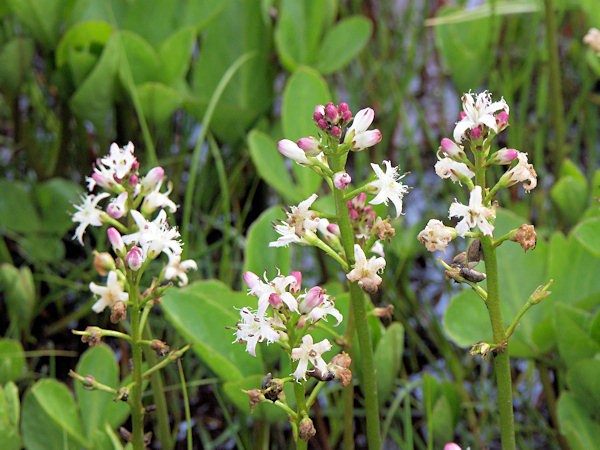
x,y
133,209
465,160
354,238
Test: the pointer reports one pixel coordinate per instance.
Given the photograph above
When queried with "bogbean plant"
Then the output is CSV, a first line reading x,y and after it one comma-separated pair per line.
x,y
285,315
139,233
469,156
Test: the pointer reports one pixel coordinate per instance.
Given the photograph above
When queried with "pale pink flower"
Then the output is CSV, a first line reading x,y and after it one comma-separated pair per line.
x,y
478,113
366,271
309,352
436,236
474,215
109,294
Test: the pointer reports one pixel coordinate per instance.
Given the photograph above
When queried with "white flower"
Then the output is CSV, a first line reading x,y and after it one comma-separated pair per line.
x,y
448,168
121,160
388,186
299,221
154,237
592,38
177,268
365,271
253,329
522,172
327,307
109,295
478,112
276,287
474,215
436,236
378,249
88,214
155,199
357,135
309,352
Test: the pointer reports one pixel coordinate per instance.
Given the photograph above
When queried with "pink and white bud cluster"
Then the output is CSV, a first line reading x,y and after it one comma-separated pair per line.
x,y
332,119
341,180
362,216
358,136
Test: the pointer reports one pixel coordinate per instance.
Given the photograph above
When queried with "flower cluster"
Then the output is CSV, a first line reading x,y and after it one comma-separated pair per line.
x,y
281,308
125,193
480,121
592,38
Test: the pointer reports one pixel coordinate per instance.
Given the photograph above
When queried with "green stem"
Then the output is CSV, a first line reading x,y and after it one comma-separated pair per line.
x,y
555,87
361,325
186,403
313,395
348,395
157,384
501,359
135,399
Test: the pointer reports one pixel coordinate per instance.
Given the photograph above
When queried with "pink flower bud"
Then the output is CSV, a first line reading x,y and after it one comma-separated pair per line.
x,y
504,156
366,139
359,200
331,113
322,124
114,211
354,214
251,280
133,180
502,120
310,145
153,176
320,111
314,297
368,209
275,300
336,131
291,150
134,258
343,107
450,148
135,165
341,180
101,181
462,115
452,446
346,116
476,133
115,240
295,287
334,228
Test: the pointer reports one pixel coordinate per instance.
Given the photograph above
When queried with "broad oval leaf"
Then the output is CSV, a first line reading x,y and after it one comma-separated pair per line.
x,y
588,233
342,44
89,36
259,256
270,165
158,101
50,416
201,316
17,211
15,64
12,360
388,360
576,423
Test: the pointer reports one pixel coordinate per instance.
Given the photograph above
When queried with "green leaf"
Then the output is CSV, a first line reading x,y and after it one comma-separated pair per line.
x,y
388,360
13,406
304,90
42,248
98,407
12,360
141,56
571,327
42,18
576,423
235,32
9,417
15,64
588,233
271,167
202,317
89,37
342,44
50,417
259,256
569,194
486,10
465,49
174,54
54,199
17,212
582,381
200,13
159,102
19,292
93,100
152,20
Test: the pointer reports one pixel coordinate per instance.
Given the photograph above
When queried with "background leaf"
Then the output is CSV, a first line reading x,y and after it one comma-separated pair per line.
x,y
12,360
